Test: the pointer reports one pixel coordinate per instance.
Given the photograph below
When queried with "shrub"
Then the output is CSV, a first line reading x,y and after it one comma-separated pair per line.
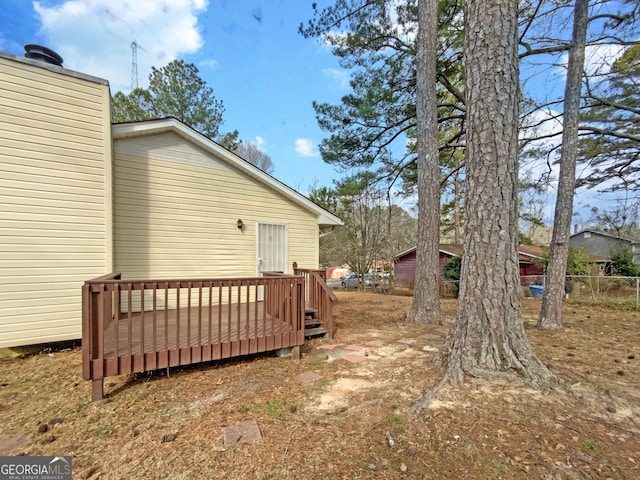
x,y
451,269
622,263
578,263
451,272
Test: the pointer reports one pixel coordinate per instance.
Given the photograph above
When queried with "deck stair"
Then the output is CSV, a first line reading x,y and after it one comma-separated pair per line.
x,y
312,324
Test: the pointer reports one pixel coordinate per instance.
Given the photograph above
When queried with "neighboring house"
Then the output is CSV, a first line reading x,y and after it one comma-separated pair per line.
x,y
405,262
603,243
530,258
404,268
80,198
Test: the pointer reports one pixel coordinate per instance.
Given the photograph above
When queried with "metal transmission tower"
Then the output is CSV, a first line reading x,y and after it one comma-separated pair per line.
x,y
134,65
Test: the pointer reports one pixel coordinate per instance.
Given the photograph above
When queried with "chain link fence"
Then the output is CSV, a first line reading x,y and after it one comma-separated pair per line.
x,y
597,288
593,289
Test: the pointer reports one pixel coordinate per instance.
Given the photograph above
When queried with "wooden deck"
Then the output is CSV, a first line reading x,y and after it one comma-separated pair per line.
x,y
179,337
131,326
140,325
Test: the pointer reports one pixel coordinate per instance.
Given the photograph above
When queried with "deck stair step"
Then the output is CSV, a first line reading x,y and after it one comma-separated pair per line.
x,y
312,322
315,332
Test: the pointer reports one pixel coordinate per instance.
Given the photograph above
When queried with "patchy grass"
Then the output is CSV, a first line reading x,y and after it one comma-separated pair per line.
x,y
615,305
275,408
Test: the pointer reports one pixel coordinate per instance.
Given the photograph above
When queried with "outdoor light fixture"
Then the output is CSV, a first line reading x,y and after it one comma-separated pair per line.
x,y
240,225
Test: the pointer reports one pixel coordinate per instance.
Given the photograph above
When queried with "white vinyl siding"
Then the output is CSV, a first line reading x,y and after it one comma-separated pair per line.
x,y
177,207
55,200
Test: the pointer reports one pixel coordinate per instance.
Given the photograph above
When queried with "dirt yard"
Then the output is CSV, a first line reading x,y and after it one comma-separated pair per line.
x,y
341,411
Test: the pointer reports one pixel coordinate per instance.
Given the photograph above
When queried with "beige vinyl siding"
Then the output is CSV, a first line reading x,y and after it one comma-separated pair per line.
x,y
55,199
176,208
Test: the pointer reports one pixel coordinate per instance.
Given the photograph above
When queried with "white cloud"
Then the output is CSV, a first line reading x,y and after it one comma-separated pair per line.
x,y
211,64
542,123
260,143
341,77
406,32
306,148
95,36
598,59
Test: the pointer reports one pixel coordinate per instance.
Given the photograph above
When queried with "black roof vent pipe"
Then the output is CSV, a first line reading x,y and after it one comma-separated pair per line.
x,y
43,54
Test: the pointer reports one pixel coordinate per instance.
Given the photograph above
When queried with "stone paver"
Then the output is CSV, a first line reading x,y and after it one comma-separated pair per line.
x,y
8,445
247,432
407,341
355,348
327,346
431,336
355,358
308,378
375,343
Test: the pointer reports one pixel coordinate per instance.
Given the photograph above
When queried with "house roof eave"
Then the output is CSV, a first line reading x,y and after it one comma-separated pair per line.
x,y
406,252
455,250
605,234
54,68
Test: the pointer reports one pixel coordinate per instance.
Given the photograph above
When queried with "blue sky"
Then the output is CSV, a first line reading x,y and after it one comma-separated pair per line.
x,y
249,51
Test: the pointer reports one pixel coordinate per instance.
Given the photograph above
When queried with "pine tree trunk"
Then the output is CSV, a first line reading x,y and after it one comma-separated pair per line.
x,y
488,338
551,311
456,207
425,307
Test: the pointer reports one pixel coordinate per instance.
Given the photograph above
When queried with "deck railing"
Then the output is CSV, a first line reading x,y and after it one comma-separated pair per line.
x,y
139,325
318,295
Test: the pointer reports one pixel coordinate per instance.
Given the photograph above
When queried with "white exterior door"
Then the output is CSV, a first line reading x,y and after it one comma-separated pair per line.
x,y
271,247
271,253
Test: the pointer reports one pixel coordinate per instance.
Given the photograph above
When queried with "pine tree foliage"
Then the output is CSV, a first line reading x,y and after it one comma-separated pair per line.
x,y
373,127
610,143
175,90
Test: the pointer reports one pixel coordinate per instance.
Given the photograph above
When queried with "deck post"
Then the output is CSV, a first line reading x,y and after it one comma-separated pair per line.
x,y
295,352
97,389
